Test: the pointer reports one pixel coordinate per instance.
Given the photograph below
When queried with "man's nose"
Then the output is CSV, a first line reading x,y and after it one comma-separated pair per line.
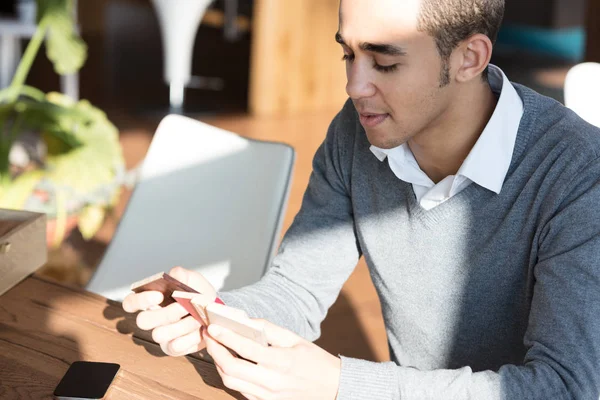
x,y
359,83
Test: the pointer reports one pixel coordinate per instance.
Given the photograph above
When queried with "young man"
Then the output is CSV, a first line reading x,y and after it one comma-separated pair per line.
x,y
475,205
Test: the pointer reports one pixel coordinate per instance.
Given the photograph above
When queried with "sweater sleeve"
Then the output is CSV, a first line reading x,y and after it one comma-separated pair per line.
x,y
318,252
563,334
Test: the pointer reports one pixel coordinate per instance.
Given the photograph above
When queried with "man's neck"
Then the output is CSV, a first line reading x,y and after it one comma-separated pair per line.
x,y
441,150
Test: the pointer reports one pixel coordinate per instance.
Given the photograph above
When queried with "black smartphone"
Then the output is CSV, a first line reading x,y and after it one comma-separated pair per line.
x,y
86,380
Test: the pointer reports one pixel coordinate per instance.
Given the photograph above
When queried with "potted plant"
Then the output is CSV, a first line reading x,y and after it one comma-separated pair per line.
x,y
73,175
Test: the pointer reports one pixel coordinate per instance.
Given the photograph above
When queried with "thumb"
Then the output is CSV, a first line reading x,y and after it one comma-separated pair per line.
x,y
195,280
278,336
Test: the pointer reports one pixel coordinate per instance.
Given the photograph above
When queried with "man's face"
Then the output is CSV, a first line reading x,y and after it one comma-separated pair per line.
x,y
393,70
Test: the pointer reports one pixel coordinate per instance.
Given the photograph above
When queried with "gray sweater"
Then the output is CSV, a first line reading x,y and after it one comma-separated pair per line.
x,y
485,296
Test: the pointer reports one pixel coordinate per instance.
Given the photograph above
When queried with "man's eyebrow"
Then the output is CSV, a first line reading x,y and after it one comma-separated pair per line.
x,y
386,49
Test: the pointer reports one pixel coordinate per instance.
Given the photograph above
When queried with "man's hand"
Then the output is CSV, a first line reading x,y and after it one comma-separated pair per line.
x,y
291,368
176,336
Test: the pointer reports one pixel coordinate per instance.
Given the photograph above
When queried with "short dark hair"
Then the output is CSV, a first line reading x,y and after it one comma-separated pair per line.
x,y
452,21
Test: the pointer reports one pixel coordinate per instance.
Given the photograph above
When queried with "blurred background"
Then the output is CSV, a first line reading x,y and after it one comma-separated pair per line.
x,y
265,69
285,43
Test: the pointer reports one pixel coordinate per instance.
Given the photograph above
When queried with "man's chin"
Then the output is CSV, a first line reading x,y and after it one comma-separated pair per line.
x,y
380,140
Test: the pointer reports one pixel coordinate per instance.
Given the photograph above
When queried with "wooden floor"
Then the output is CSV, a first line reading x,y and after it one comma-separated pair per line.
x,y
354,326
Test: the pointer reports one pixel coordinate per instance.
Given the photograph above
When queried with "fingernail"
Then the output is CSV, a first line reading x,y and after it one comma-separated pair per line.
x,y
214,330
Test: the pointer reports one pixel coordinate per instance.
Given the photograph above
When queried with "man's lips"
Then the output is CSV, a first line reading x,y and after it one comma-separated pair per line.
x,y
371,120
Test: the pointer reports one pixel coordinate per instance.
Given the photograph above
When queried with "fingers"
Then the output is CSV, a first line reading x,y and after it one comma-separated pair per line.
x,y
181,274
269,359
142,301
190,343
168,351
247,348
185,344
146,300
249,390
194,280
168,333
238,374
151,319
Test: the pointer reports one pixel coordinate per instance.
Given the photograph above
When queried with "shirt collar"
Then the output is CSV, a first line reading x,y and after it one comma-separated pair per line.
x,y
489,160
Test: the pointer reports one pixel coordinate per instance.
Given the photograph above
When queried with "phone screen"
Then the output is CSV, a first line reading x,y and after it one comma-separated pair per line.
x,y
86,380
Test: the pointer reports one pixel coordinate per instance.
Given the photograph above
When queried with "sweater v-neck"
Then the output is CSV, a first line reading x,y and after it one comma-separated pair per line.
x,y
473,192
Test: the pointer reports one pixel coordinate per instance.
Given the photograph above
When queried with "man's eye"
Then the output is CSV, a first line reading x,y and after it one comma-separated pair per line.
x,y
385,68
348,57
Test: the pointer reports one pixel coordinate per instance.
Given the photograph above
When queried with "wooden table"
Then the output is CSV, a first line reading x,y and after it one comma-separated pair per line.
x,y
45,326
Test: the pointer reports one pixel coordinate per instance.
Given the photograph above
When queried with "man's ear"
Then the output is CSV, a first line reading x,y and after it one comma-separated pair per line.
x,y
472,57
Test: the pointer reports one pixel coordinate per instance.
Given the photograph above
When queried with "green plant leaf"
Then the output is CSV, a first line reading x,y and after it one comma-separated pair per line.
x,y
16,194
85,173
64,46
90,220
89,170
55,119
84,155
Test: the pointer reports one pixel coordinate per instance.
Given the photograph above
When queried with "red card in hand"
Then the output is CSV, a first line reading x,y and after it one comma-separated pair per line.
x,y
166,284
163,283
186,299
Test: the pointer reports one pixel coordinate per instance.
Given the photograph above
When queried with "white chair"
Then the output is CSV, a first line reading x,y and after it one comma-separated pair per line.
x,y
208,200
582,88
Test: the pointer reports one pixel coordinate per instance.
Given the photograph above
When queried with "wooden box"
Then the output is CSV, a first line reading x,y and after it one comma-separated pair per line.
x,y
22,246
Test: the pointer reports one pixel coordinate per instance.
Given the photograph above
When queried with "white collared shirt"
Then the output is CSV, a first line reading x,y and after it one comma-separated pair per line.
x,y
487,162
